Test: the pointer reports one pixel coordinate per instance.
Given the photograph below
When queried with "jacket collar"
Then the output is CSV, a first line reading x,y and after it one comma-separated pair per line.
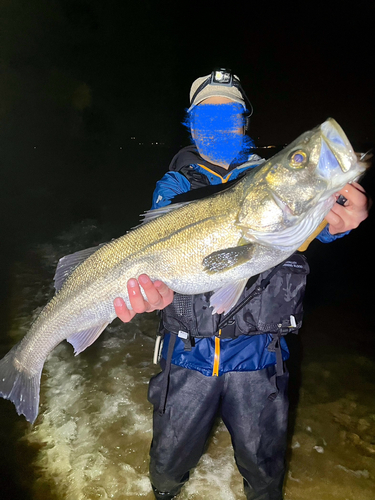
x,y
189,156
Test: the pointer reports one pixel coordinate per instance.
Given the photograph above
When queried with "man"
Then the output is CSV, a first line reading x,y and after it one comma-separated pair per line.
x,y
206,368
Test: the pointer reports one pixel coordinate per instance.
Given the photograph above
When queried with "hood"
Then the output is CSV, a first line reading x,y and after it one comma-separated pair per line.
x,y
189,156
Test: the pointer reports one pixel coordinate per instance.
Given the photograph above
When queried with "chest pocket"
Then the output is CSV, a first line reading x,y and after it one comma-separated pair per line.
x,y
191,314
269,312
272,309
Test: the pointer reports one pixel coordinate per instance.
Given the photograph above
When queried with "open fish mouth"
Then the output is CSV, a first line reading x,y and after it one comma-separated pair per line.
x,y
336,151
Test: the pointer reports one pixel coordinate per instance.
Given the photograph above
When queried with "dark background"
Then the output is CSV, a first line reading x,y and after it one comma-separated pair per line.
x,y
80,78
88,87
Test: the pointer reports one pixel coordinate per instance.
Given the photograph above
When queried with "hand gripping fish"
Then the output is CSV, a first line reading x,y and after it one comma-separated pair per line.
x,y
213,244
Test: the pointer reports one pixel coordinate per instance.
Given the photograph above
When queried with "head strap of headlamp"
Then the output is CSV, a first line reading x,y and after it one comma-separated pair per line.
x,y
225,78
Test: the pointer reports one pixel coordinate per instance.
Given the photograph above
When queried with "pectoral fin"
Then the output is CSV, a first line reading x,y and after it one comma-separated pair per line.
x,y
228,258
81,340
227,297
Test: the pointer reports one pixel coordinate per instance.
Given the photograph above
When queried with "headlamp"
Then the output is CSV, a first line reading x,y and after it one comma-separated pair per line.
x,y
221,77
224,77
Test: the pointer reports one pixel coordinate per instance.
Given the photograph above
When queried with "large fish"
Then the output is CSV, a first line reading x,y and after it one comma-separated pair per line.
x,y
215,243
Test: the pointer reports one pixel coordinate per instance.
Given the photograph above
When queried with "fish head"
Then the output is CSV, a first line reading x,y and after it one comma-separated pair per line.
x,y
300,181
312,168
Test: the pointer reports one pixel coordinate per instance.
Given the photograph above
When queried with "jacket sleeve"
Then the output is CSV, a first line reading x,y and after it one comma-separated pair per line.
x,y
170,185
326,237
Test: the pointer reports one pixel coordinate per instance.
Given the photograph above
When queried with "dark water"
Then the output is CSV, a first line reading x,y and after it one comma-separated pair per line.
x,y
41,221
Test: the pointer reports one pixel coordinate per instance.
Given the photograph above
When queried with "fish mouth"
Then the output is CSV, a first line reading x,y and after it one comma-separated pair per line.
x,y
336,146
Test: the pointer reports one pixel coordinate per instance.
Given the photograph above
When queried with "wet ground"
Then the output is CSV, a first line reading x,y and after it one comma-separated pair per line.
x,y
92,436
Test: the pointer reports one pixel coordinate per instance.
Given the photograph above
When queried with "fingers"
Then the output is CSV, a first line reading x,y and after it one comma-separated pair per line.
x,y
358,187
138,303
153,294
122,311
355,195
158,296
166,293
345,217
336,223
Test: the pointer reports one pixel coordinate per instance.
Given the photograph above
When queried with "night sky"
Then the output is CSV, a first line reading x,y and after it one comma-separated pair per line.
x,y
80,78
126,67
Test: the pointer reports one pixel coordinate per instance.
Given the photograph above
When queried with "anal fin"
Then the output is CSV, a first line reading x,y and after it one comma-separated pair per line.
x,y
83,339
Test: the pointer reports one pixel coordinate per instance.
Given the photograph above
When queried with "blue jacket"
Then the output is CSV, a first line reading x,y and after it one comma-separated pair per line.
x,y
245,353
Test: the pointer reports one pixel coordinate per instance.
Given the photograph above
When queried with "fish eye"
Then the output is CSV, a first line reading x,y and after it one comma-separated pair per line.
x,y
297,159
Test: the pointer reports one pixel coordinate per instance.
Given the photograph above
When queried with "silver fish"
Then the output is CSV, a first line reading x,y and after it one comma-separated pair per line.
x,y
216,243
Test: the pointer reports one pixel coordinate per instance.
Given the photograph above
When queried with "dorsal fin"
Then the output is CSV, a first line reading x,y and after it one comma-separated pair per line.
x,y
150,215
67,264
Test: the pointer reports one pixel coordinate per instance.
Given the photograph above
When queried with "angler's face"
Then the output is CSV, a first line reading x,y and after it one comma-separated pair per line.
x,y
218,128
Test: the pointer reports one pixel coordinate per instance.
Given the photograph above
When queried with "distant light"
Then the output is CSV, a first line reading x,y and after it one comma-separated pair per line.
x,y
132,138
34,147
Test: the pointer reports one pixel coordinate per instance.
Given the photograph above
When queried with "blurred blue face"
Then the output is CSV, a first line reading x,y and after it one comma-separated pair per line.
x,y
218,131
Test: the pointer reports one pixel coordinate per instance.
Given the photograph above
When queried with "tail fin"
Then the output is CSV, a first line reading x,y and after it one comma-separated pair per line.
x,y
19,387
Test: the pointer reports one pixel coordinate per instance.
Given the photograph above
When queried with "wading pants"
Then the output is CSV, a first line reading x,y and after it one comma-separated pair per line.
x,y
257,424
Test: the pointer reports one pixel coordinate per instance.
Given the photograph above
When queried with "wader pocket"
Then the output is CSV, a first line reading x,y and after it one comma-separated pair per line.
x,y
187,312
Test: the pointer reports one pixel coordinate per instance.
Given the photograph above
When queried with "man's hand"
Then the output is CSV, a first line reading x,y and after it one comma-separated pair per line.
x,y
157,293
343,218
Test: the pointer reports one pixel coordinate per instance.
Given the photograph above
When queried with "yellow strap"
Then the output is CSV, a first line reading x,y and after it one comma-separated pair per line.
x,y
215,371
318,230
